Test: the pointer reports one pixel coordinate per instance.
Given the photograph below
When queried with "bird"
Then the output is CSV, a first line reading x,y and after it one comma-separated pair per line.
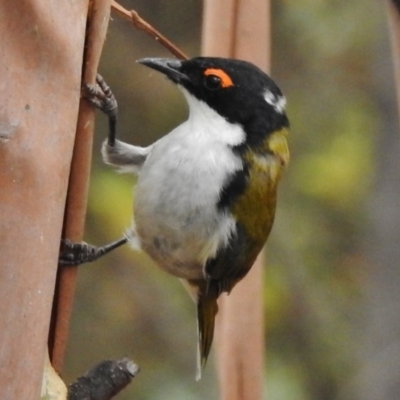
x,y
206,192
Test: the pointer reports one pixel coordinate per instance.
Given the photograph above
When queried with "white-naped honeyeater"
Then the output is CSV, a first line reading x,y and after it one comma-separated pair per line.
x,y
206,192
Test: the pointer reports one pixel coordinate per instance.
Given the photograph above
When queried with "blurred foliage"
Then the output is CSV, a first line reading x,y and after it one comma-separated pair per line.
x,y
323,53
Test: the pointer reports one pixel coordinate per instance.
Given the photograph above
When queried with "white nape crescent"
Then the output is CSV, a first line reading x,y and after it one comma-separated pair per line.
x,y
276,101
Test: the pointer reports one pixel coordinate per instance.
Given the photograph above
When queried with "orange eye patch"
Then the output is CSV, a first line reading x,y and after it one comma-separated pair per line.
x,y
226,80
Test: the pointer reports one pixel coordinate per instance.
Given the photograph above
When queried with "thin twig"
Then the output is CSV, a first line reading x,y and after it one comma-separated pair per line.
x,y
143,25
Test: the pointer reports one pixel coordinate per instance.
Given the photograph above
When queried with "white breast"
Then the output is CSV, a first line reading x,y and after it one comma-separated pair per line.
x,y
179,187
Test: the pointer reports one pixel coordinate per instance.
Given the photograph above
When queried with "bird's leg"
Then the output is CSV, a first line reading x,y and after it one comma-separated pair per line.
x,y
116,153
79,253
101,96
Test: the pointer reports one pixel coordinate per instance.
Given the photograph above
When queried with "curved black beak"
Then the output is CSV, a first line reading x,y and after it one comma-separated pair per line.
x,y
168,66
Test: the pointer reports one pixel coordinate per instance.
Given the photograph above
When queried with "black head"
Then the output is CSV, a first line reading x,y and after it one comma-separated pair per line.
x,y
237,90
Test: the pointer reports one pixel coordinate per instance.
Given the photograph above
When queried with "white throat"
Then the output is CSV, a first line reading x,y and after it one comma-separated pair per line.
x,y
202,115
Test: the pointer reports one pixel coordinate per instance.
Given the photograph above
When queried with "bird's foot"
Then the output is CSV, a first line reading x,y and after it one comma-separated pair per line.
x,y
101,96
72,253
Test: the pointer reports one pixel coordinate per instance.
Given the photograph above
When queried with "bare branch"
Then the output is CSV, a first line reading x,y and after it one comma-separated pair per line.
x,y
143,25
103,381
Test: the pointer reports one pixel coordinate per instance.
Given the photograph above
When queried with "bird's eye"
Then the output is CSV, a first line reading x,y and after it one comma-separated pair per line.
x,y
212,82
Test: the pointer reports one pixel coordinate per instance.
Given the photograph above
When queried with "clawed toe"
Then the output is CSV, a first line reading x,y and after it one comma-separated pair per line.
x,y
73,253
101,96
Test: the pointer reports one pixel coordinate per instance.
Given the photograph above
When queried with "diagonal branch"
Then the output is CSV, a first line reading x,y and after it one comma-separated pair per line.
x,y
143,25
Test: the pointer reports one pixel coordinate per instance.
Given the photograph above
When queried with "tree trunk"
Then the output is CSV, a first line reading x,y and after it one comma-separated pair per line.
x,y
41,63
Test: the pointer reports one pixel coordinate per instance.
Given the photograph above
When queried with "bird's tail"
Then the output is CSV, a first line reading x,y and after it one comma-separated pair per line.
x,y
207,309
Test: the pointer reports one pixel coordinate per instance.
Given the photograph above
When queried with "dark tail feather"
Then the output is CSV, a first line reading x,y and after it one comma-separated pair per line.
x,y
207,309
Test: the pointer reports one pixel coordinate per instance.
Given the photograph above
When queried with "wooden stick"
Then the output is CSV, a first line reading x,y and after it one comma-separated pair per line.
x,y
75,211
143,25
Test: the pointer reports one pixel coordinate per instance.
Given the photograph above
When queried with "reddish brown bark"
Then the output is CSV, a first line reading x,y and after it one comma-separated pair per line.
x,y
40,69
75,210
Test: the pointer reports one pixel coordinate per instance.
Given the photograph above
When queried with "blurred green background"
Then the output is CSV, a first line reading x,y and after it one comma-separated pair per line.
x,y
332,305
